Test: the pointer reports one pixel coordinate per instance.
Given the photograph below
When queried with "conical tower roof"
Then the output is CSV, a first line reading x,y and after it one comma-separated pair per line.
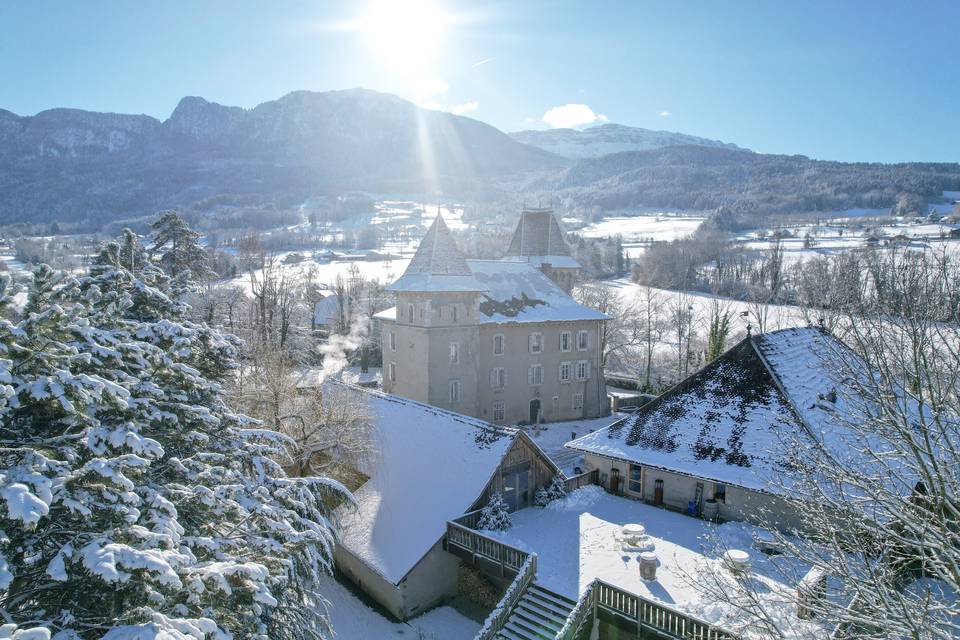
x,y
538,234
438,265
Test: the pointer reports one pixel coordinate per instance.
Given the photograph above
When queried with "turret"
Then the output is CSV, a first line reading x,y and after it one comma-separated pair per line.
x,y
538,240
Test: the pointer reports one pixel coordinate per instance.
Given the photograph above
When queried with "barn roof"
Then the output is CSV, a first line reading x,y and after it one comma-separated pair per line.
x,y
431,465
733,421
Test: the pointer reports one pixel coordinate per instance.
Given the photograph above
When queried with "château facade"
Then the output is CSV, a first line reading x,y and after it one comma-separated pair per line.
x,y
500,340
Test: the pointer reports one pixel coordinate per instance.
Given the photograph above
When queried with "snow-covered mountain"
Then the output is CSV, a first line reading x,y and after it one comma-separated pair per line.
x,y
66,164
609,138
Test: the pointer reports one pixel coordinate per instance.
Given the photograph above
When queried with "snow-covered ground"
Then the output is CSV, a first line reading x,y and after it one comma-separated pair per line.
x,y
553,435
639,230
326,272
353,620
576,541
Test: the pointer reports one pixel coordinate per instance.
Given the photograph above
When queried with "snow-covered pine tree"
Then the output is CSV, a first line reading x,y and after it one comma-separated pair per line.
x,y
133,502
177,248
496,515
554,491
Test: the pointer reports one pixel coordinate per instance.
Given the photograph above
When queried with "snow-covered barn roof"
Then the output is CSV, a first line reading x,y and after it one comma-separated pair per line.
x,y
732,421
431,466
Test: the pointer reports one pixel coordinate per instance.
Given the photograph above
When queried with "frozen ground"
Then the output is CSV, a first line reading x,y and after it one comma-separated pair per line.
x,y
575,541
639,230
353,620
326,272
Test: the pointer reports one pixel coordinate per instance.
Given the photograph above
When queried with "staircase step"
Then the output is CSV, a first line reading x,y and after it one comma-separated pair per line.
x,y
539,616
531,621
546,606
522,632
554,596
505,634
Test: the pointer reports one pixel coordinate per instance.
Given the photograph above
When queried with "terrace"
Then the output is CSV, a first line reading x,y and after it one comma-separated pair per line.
x,y
579,556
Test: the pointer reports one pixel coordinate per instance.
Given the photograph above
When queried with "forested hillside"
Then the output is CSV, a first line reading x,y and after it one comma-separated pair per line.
x,y
702,178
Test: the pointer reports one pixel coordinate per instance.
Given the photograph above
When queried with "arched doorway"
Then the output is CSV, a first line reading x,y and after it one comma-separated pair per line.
x,y
535,411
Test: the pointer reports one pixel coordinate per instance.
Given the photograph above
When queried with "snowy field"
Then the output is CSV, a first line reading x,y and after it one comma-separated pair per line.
x,y
576,541
638,231
353,620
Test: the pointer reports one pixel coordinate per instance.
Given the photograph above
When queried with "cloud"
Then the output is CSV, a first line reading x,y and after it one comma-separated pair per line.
x,y
481,63
665,114
572,115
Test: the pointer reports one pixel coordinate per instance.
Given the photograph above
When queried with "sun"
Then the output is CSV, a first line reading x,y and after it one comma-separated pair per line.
x,y
405,34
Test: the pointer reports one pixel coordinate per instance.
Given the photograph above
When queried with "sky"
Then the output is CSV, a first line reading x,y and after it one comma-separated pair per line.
x,y
847,80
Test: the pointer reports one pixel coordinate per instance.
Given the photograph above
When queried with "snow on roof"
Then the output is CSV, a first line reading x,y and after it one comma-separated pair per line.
x,y
723,423
327,310
431,466
386,314
538,234
517,292
732,421
438,265
559,262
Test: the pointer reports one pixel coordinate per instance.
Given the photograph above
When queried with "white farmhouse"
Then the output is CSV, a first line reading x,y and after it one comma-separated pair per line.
x,y
499,340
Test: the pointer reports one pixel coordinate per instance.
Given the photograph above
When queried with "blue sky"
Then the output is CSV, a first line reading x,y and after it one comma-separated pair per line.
x,y
839,79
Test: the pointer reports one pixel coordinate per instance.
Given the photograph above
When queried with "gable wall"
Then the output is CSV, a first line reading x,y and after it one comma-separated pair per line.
x,y
520,453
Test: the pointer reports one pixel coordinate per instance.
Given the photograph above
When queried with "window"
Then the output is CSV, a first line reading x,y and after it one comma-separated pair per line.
x,y
636,474
498,378
410,315
454,391
393,372
498,410
498,344
583,340
583,369
454,353
393,341
578,401
535,374
565,368
565,342
536,342
453,313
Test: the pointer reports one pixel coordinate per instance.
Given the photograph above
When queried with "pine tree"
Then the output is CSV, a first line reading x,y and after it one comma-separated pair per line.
x,y
177,248
496,515
554,491
132,500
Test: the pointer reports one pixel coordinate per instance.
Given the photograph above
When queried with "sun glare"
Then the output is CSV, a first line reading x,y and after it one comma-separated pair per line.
x,y
405,34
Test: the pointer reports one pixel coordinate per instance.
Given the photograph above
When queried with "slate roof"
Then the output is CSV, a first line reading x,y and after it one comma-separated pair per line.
x,y
538,236
732,421
438,264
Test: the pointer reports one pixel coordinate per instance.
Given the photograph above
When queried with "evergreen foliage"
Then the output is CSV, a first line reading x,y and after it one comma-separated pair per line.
x,y
177,248
496,515
554,491
718,334
133,502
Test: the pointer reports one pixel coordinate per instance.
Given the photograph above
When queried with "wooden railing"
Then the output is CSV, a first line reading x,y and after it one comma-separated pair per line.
x,y
469,520
501,613
582,480
479,545
647,614
582,614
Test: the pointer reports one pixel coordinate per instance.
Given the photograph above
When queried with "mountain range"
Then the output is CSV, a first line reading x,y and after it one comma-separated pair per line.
x,y
67,164
610,138
91,169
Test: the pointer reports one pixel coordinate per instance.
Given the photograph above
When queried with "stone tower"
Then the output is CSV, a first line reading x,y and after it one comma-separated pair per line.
x,y
435,335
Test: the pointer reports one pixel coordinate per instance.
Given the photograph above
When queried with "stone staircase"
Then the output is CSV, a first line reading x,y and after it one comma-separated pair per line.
x,y
538,615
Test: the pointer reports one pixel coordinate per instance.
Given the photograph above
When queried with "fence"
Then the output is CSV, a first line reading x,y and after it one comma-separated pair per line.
x,y
498,617
480,546
582,480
